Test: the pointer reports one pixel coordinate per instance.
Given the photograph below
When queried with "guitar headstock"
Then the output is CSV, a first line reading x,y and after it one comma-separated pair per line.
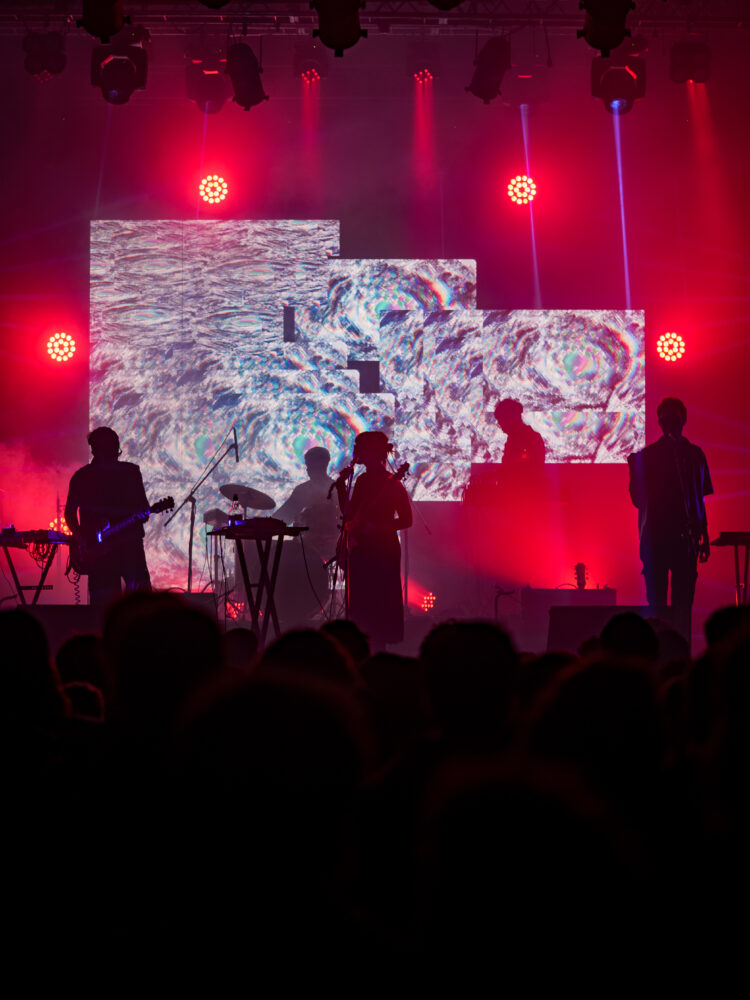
x,y
166,503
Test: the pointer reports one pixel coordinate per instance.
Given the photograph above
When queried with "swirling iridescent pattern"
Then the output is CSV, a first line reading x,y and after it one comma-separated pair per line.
x,y
188,339
579,375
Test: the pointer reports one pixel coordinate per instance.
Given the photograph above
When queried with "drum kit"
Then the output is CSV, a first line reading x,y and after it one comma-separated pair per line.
x,y
302,585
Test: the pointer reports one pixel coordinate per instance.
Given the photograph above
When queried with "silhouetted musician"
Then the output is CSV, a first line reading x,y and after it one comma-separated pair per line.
x,y
107,491
668,481
524,449
309,505
378,508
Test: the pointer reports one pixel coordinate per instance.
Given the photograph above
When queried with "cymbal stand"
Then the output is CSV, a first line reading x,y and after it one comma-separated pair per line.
x,y
190,498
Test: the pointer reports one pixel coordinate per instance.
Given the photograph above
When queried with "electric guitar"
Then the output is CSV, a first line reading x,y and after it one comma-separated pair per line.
x,y
85,552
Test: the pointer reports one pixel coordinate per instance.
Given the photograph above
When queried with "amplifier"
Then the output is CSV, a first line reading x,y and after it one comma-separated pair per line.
x,y
536,605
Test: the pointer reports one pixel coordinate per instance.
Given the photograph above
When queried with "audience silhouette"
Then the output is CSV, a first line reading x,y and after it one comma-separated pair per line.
x,y
310,800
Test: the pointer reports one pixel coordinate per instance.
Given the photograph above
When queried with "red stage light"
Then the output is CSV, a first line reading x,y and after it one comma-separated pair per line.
x,y
521,189
428,602
213,189
670,346
234,609
61,525
423,76
310,76
61,347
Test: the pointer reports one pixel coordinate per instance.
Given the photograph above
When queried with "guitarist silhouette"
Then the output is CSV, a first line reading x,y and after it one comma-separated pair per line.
x,y
104,492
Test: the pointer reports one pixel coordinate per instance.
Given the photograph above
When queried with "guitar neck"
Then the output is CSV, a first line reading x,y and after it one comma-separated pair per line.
x,y
113,529
166,503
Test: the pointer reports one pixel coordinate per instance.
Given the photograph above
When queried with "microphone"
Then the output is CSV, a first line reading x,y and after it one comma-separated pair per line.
x,y
236,448
342,477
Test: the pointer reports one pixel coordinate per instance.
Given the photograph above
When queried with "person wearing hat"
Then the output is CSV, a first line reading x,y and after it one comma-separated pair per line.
x,y
377,510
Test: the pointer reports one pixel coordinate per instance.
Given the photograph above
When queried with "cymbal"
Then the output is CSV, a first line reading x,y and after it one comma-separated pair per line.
x,y
247,496
216,517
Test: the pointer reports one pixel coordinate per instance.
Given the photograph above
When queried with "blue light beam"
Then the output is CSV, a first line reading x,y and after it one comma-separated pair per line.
x,y
625,260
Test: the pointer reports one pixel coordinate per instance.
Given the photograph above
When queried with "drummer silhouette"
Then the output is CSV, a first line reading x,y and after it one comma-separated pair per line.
x,y
302,584
313,490
308,503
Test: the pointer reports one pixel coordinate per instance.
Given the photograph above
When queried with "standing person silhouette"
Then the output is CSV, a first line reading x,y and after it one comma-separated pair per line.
x,y
668,481
107,491
377,510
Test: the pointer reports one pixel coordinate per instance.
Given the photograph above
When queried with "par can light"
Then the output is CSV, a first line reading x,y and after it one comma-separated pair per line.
x,y
521,190
61,347
213,189
670,347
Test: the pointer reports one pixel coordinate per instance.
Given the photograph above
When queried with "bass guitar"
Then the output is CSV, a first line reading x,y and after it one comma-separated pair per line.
x,y
85,552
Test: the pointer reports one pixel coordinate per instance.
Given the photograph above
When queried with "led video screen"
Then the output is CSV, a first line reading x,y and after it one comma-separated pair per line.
x,y
199,326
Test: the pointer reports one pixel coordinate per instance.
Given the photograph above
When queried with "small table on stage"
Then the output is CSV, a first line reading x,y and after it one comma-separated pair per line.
x,y
737,539
47,543
263,531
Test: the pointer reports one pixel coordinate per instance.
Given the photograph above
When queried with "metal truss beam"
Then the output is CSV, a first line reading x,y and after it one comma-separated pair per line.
x,y
174,17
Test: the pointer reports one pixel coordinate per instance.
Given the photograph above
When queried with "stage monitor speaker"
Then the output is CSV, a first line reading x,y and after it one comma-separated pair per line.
x,y
569,627
536,604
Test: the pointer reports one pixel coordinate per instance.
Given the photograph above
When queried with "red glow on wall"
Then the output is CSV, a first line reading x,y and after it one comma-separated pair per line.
x,y
61,347
670,346
521,189
213,189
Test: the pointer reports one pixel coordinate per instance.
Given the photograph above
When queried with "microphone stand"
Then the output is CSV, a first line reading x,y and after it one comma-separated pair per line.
x,y
343,538
190,498
405,536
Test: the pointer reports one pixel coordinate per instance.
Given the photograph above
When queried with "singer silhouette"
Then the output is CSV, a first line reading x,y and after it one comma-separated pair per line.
x,y
377,510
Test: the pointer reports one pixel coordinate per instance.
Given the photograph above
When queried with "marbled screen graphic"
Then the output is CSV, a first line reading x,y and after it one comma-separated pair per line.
x,y
198,326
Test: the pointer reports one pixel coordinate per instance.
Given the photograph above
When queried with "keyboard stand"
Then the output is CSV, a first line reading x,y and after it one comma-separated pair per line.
x,y
738,540
37,588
